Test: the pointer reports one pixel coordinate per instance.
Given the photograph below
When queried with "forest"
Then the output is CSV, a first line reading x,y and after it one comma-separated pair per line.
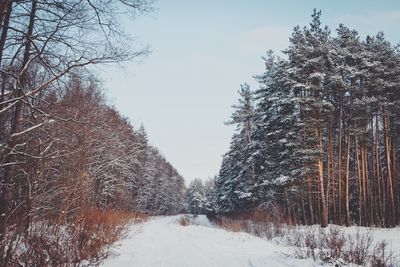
x,y
318,141
69,161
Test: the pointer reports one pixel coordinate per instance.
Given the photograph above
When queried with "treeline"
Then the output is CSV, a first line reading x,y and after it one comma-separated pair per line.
x,y
320,137
67,158
99,158
201,197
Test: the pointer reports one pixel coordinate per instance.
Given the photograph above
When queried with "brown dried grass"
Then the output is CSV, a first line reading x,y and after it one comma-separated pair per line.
x,y
84,239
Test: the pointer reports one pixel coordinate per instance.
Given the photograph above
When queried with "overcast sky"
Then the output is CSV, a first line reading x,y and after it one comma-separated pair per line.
x,y
201,52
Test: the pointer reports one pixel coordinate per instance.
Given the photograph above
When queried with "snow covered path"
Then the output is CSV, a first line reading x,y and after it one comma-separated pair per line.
x,y
162,242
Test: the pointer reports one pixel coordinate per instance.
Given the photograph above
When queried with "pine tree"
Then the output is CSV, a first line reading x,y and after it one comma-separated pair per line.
x,y
236,178
324,144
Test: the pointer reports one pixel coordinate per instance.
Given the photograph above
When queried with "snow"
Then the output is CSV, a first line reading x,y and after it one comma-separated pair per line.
x,y
163,242
390,235
201,220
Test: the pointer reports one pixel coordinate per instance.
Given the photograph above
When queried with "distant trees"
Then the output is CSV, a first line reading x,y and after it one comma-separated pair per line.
x,y
161,188
325,141
195,197
200,197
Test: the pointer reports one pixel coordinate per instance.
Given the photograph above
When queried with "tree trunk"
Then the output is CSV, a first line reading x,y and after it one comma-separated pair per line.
x,y
357,170
391,221
3,39
15,127
339,219
395,184
324,212
310,199
348,162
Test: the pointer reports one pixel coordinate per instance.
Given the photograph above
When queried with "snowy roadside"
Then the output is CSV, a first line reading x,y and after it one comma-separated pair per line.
x,y
333,245
390,235
162,242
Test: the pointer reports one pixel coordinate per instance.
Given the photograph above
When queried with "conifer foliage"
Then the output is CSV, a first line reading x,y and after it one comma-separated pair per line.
x,y
322,142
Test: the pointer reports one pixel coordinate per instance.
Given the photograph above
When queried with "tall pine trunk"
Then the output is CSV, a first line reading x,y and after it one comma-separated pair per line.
x,y
340,204
324,211
347,205
391,216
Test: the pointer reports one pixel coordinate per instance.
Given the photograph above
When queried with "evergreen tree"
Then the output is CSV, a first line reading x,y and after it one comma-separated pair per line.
x,y
324,135
237,182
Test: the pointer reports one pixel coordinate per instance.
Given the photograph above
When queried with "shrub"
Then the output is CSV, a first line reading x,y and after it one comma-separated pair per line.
x,y
358,248
85,238
232,225
184,221
330,246
339,249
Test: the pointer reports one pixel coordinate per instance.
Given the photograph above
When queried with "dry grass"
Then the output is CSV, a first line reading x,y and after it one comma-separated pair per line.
x,y
85,239
94,231
257,222
233,225
332,246
339,249
184,221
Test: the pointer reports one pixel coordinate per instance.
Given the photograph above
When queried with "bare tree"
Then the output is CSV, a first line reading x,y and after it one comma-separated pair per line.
x,y
42,45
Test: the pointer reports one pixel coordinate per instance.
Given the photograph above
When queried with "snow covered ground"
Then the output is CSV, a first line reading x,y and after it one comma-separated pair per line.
x,y
390,235
162,242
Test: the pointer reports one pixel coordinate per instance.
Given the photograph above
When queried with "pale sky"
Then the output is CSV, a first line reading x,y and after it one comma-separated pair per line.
x,y
201,52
